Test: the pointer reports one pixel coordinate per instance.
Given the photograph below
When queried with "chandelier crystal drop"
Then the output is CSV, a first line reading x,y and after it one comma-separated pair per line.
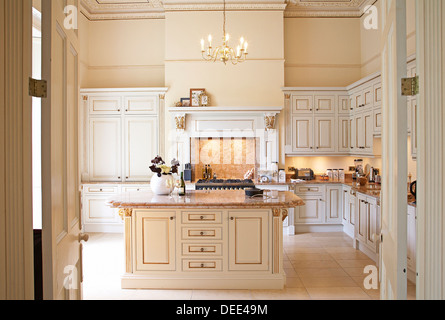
x,y
224,52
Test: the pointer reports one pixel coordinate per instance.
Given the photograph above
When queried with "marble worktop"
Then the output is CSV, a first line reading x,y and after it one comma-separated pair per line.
x,y
200,199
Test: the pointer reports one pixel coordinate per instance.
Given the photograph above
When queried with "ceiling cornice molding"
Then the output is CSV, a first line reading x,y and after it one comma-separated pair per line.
x,y
156,9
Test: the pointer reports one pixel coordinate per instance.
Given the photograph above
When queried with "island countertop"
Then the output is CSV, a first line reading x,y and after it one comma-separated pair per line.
x,y
227,199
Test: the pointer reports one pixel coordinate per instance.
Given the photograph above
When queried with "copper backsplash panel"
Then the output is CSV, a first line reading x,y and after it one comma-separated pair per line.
x,y
230,158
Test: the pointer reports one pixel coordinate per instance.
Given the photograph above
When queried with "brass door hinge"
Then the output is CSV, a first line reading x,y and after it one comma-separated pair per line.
x,y
38,88
410,86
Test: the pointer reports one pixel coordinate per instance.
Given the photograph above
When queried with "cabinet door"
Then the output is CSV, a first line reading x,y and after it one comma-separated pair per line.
x,y
359,138
357,100
352,209
324,104
361,217
302,134
302,104
368,100
343,134
411,234
333,204
141,145
344,105
97,210
324,134
352,134
377,120
369,131
105,105
372,222
377,89
312,211
345,205
249,240
154,245
105,149
141,104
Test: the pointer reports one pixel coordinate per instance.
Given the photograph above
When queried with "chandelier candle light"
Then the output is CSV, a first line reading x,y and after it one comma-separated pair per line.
x,y
224,52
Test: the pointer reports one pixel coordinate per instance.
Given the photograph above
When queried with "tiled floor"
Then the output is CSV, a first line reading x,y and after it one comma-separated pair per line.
x,y
318,266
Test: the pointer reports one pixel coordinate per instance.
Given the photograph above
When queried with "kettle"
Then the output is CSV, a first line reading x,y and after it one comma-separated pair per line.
x,y
412,189
372,174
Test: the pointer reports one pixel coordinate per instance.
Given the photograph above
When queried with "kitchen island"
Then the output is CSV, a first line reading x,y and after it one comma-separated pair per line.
x,y
204,240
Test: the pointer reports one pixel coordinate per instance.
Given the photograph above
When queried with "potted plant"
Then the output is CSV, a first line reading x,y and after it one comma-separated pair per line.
x,y
162,181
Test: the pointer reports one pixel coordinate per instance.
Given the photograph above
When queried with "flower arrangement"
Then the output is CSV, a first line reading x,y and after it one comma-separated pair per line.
x,y
158,166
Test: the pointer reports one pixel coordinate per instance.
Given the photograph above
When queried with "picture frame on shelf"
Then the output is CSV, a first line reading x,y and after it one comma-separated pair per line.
x,y
204,100
185,102
195,97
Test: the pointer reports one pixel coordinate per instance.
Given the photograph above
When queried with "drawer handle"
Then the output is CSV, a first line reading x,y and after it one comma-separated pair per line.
x,y
202,249
231,218
201,233
201,217
202,265
171,218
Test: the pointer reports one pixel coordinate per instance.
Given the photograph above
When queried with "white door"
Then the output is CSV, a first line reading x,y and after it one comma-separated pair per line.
x,y
394,147
105,160
141,145
62,263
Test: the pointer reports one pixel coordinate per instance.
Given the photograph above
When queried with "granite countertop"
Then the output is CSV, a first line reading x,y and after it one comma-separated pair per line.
x,y
222,199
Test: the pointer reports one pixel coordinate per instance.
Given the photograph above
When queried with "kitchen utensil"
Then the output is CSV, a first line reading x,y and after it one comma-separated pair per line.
x,y
362,181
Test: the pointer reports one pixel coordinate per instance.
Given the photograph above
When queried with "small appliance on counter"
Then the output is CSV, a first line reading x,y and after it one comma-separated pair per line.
x,y
302,174
358,164
372,174
412,189
188,172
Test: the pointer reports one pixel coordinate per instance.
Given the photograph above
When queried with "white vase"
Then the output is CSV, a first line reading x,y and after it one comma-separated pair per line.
x,y
162,185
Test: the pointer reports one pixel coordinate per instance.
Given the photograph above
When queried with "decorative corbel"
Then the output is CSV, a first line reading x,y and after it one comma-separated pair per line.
x,y
180,122
125,212
269,121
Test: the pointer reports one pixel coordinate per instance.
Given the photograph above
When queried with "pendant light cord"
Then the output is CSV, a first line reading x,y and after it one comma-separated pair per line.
x,y
224,24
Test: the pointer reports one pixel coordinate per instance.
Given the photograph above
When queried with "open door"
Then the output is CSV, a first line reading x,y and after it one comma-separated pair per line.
x,y
393,255
61,238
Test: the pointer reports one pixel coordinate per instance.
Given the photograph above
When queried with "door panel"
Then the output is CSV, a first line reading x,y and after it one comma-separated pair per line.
x,y
324,134
303,134
62,263
394,151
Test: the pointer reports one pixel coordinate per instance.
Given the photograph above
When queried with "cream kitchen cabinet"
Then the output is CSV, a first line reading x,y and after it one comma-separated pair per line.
x,y
363,133
105,149
344,134
248,240
324,134
155,241
334,206
302,135
367,224
362,98
314,135
314,102
348,210
120,134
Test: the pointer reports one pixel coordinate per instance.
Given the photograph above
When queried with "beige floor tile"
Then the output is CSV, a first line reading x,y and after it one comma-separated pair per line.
x,y
349,256
337,293
309,256
285,294
290,272
411,293
321,272
314,264
373,293
294,249
319,282
293,283
287,264
348,249
221,295
355,263
355,272
306,244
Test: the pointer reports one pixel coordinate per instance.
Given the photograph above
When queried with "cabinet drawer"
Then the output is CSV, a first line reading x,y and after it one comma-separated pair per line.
x,y
201,233
311,189
105,105
201,217
136,189
204,249
201,265
101,189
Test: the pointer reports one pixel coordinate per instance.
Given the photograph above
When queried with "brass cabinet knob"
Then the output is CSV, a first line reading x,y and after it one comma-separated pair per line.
x,y
83,237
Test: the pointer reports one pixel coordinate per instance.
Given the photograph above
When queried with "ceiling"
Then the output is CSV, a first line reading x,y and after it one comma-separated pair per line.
x,y
155,9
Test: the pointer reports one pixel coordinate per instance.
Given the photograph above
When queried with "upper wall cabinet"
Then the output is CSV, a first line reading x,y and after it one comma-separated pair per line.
x,y
120,133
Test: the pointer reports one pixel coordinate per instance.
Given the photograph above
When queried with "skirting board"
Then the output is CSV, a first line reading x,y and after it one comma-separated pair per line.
x,y
226,282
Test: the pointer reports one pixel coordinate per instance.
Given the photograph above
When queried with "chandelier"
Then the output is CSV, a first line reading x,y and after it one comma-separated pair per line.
x,y
225,53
